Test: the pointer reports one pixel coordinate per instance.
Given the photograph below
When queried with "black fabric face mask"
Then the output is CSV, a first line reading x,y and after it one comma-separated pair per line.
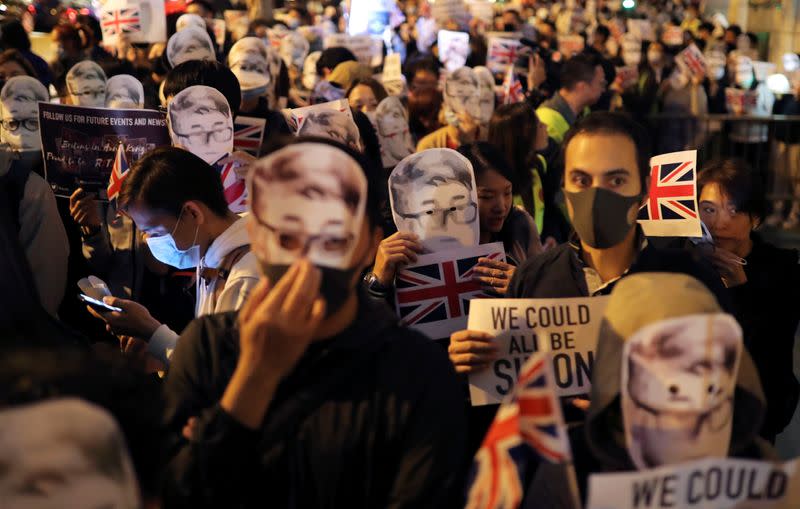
x,y
335,286
601,217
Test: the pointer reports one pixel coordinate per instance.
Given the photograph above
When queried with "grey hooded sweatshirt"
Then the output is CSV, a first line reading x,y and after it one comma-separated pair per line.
x,y
598,445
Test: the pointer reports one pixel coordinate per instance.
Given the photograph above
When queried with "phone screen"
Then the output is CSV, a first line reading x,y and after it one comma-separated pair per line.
x,y
97,303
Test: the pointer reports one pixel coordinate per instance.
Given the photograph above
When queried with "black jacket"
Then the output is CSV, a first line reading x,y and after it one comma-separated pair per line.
x,y
370,418
767,309
558,273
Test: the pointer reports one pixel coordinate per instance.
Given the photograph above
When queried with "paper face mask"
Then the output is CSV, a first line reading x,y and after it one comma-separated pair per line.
x,y
453,49
486,94
678,382
248,59
293,50
200,121
307,200
190,20
191,43
433,195
310,77
72,441
461,95
19,108
332,120
393,132
86,83
124,91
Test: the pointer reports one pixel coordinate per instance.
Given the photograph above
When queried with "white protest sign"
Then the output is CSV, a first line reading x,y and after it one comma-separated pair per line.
x,y
444,11
568,328
671,209
693,61
392,68
570,45
482,10
702,484
434,295
642,29
362,46
453,49
139,21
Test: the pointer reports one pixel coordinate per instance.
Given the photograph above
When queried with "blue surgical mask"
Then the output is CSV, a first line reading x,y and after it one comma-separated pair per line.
x,y
166,251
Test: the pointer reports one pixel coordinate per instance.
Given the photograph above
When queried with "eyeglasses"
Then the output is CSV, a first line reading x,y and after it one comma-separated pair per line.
x,y
458,214
31,124
715,418
202,137
300,242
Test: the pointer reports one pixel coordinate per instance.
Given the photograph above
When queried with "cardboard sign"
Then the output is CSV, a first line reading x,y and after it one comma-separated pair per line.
x,y
79,144
568,328
641,29
570,45
702,484
433,296
139,21
692,61
671,209
501,54
362,46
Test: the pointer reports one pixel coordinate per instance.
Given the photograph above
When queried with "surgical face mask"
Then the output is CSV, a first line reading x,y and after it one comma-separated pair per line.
x,y
166,251
602,218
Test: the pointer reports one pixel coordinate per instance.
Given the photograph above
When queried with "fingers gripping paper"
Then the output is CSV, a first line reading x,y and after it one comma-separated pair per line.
x,y
433,194
308,199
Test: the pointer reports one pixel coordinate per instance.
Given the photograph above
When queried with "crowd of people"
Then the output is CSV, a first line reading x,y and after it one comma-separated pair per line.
x,y
248,350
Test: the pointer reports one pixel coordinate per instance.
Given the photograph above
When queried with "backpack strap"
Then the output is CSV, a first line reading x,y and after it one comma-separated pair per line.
x,y
222,273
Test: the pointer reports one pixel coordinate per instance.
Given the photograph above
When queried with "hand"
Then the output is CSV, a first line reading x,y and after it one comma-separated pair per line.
x,y
134,319
729,266
189,430
471,351
276,325
136,349
537,73
549,243
84,210
493,275
393,252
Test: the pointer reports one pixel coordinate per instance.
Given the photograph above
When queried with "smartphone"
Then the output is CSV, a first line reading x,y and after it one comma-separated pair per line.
x,y
97,305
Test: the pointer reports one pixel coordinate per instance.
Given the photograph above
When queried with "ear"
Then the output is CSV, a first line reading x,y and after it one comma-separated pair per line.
x,y
197,211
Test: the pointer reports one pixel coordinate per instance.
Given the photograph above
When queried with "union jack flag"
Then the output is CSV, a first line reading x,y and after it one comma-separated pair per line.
x,y
248,133
118,173
512,88
234,187
120,21
672,188
502,53
433,296
528,425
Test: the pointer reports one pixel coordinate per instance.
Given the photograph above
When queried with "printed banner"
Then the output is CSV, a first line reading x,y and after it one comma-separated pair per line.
x,y
79,144
433,295
501,54
140,21
568,328
702,484
671,209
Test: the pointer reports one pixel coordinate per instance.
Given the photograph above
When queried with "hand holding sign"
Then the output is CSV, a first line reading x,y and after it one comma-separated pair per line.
x,y
494,275
394,252
472,351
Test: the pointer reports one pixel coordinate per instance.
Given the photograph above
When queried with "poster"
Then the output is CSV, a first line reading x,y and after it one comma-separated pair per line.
x,y
332,120
433,296
79,144
567,328
482,10
641,29
701,484
447,11
453,49
362,46
392,77
692,61
741,102
139,21
570,45
501,54
671,209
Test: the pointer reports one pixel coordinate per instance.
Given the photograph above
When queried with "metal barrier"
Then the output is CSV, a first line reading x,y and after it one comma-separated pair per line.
x,y
759,139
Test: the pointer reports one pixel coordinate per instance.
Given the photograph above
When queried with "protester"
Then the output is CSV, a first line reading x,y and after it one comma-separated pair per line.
x,y
14,36
365,94
167,192
763,281
306,349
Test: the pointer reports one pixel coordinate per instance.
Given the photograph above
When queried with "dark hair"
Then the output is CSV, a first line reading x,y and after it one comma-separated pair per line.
x,y
603,122
377,89
12,55
735,29
424,105
512,131
256,23
577,69
708,27
93,28
166,178
376,183
421,63
604,31
204,4
13,35
753,38
515,13
77,34
484,157
739,182
331,57
205,72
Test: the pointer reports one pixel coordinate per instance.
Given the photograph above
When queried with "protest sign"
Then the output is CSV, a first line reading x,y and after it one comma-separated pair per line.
x,y
79,144
672,35
433,295
453,49
363,47
482,10
446,11
368,17
692,60
570,45
139,21
641,29
671,209
568,328
741,102
703,484
501,54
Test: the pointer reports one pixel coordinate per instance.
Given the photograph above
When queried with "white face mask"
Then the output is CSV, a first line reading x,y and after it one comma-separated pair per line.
x,y
165,250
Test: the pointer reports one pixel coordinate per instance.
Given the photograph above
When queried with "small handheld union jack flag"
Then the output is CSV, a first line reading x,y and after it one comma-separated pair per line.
x,y
120,21
528,426
118,173
248,133
512,88
234,187
671,209
501,54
